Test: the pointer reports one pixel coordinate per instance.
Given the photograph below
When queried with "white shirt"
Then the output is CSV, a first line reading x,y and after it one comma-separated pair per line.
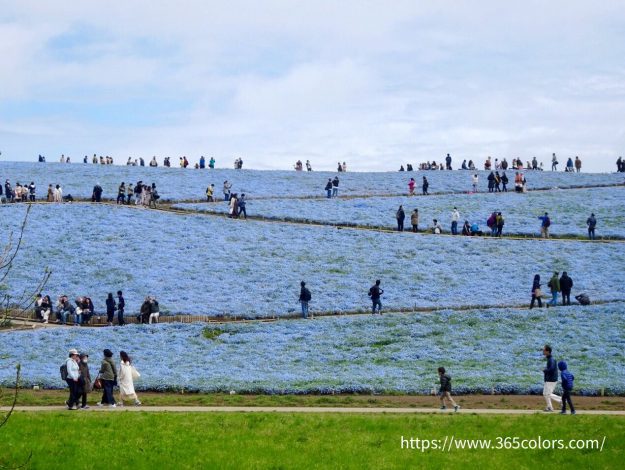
x,y
455,216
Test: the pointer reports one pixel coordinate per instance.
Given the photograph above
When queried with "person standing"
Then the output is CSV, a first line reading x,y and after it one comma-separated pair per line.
x,y
554,287
474,182
536,292
566,284
73,379
554,163
567,380
121,305
400,215
411,185
375,292
121,193
499,221
108,375
455,217
126,380
335,186
414,220
304,297
110,309
154,310
32,189
241,202
202,162
550,375
425,186
591,222
578,164
308,166
210,191
129,193
226,190
448,161
85,380
328,188
504,182
544,225
444,391
211,163
96,195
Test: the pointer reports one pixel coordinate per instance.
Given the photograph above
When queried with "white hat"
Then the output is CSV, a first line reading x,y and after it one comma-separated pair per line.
x,y
73,351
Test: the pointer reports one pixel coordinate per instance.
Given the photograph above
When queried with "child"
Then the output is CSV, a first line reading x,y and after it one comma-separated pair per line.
x,y
445,390
567,387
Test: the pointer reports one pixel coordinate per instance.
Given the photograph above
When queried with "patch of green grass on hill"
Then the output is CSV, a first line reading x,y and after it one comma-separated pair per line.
x,y
272,440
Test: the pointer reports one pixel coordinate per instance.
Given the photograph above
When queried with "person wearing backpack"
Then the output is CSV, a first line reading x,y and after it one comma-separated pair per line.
x,y
304,297
544,225
591,222
554,287
71,374
567,387
375,292
566,284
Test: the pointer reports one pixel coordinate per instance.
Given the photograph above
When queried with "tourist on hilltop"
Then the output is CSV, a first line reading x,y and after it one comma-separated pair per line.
x,y
154,310
471,165
62,158
85,159
96,195
108,375
411,185
504,182
566,285
554,288
400,215
534,163
181,162
185,162
497,165
233,206
591,222
121,193
153,162
455,217
328,188
499,223
487,164
167,162
41,159
308,166
545,223
304,297
202,162
567,380
128,162
72,377
578,165
414,220
344,167
111,306
141,161
444,391
569,165
127,374
554,163
536,292
401,168
144,312
504,164
425,186
121,306
211,163
550,375
448,162
226,190
84,382
17,193
466,229
464,165
518,182
241,202
474,182
210,191
376,292
129,193
335,186
299,166
620,165
339,168
491,182
436,228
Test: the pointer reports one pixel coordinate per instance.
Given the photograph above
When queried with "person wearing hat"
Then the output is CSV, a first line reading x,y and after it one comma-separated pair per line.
x,y
108,374
73,379
85,380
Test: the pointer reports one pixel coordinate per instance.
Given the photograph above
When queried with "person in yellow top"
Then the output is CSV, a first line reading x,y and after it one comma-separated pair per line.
x,y
209,193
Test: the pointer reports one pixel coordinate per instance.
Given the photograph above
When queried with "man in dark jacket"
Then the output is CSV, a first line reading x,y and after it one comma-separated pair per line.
x,y
335,186
550,374
401,216
97,193
304,297
375,292
566,284
445,389
592,224
329,188
121,304
554,287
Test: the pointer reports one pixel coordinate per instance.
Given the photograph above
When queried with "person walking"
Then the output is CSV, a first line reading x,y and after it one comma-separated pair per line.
x,y
504,182
375,292
304,297
85,380
591,222
130,191
127,375
72,379
550,375
210,191
400,215
328,188
241,202
536,292
566,285
444,391
335,186
455,217
411,185
544,225
414,220
110,309
554,287
499,221
121,305
425,186
121,193
108,375
226,190
567,380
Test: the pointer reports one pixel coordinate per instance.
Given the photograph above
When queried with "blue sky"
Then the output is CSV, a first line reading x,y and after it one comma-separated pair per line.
x,y
372,83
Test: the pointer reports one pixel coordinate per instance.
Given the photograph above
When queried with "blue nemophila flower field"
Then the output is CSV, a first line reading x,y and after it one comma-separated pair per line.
x,y
484,351
78,179
214,266
568,209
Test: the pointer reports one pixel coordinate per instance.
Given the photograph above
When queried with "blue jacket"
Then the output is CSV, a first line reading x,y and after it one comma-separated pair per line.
x,y
566,376
551,371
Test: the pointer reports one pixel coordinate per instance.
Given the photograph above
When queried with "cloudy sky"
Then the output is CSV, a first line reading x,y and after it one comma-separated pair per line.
x,y
375,84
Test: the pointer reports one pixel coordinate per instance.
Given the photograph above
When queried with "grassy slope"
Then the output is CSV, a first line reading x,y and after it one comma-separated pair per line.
x,y
142,440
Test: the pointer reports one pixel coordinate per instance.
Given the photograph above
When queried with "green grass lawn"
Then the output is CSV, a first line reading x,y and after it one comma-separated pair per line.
x,y
265,440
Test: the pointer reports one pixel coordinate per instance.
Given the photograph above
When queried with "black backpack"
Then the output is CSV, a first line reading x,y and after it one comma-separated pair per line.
x,y
63,370
306,295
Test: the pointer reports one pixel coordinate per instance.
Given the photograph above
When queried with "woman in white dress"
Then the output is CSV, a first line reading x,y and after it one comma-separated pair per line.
x,y
126,378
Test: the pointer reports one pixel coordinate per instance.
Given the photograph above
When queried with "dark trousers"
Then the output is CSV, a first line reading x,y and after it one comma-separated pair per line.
x,y
499,230
566,398
129,197
400,225
454,228
107,394
120,198
109,316
120,317
415,228
566,298
82,394
591,233
534,298
242,211
74,393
